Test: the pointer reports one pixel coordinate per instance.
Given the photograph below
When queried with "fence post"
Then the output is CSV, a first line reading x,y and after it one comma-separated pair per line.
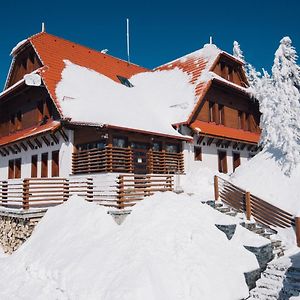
x,y
248,206
26,193
66,191
89,191
297,227
216,187
120,201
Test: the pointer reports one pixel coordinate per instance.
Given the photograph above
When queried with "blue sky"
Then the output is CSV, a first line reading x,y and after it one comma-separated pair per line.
x,y
160,30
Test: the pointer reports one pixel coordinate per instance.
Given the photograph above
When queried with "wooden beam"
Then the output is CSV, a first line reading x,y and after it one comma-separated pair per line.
x,y
2,153
64,135
17,148
200,140
250,147
210,140
242,146
23,146
6,151
13,151
30,144
227,144
46,141
38,142
219,142
235,145
54,138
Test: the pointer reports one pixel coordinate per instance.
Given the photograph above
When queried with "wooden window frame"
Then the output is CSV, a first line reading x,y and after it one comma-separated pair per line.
x,y
197,153
222,165
44,164
55,163
14,168
34,166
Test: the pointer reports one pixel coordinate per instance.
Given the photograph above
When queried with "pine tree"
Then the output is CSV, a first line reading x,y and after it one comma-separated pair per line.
x,y
237,52
279,98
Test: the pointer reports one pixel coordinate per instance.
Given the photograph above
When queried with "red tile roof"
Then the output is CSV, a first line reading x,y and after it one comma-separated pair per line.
x,y
19,135
53,50
214,130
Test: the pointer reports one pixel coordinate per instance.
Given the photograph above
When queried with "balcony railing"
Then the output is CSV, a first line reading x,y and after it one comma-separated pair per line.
x,y
121,160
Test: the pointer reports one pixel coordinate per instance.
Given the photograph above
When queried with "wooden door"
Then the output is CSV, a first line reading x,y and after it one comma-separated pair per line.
x,y
139,157
236,160
222,157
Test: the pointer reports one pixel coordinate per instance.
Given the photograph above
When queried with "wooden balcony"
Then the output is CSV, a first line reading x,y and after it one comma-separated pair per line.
x,y
122,160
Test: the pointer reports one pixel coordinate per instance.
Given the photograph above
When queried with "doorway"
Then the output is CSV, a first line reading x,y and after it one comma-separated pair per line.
x,y
139,157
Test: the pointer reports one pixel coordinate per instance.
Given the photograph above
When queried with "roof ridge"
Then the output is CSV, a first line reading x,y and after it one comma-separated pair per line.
x,y
88,48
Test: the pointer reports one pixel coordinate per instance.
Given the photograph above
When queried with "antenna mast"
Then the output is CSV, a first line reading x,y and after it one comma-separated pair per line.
x,y
43,27
128,48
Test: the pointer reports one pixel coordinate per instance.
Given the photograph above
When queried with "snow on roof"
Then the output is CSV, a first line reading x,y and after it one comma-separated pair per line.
x,y
18,46
156,100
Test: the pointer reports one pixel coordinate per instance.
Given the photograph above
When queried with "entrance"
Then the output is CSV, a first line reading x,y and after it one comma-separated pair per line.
x,y
139,157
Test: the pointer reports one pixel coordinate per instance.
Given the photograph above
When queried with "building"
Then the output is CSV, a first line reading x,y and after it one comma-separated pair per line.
x,y
44,132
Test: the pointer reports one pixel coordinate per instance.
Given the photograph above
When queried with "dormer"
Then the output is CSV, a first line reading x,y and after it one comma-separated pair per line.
x,y
230,69
25,61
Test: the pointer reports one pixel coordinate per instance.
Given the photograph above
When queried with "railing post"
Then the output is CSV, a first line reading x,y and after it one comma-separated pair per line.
x,y
121,192
109,159
216,187
26,193
248,206
297,227
170,183
89,191
4,192
66,190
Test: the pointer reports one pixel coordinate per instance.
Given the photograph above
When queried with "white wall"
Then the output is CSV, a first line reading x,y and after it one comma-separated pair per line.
x,y
210,155
65,158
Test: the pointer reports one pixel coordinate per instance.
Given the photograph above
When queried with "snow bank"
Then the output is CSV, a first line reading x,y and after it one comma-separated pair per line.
x,y
89,97
264,177
168,248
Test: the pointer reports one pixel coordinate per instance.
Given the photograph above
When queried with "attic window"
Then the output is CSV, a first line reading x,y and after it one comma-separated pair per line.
x,y
125,81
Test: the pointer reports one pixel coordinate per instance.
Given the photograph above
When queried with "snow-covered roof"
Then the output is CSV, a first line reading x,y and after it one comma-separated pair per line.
x,y
18,46
156,100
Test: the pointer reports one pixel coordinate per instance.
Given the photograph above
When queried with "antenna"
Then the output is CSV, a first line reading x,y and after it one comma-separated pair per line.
x,y
128,52
210,40
43,27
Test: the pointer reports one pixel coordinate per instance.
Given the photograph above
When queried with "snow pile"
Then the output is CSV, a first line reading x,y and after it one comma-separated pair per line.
x,y
264,177
168,248
156,100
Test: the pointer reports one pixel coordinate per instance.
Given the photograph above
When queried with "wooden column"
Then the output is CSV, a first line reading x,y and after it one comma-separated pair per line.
x,y
216,187
26,193
248,205
297,227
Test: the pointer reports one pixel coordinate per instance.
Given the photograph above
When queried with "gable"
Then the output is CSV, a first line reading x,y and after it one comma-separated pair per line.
x,y
24,62
230,70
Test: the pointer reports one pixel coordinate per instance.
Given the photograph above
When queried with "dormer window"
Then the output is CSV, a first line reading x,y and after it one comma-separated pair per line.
x,y
125,81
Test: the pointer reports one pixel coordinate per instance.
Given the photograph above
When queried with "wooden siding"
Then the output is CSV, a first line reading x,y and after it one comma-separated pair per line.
x,y
234,105
25,62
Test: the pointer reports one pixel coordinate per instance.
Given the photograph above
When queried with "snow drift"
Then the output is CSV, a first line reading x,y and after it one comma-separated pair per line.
x,y
168,248
264,177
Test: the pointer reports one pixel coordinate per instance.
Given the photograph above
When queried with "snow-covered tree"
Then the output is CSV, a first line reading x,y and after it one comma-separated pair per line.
x,y
279,98
237,52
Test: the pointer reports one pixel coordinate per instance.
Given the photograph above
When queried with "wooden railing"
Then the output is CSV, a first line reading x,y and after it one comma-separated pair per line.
x,y
161,162
118,192
262,211
133,188
109,159
120,160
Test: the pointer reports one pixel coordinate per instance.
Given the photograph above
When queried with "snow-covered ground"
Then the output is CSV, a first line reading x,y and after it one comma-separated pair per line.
x,y
168,248
264,177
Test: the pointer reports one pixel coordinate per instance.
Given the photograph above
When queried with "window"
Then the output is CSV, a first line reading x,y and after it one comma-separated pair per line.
x,y
236,160
14,168
198,153
34,159
125,81
120,142
222,161
44,170
55,163
172,148
156,146
92,145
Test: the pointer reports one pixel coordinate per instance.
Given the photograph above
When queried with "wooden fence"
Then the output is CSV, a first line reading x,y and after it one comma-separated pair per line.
x,y
120,192
262,211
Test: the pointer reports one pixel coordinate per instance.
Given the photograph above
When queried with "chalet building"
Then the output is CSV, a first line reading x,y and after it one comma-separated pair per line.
x,y
38,138
224,123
